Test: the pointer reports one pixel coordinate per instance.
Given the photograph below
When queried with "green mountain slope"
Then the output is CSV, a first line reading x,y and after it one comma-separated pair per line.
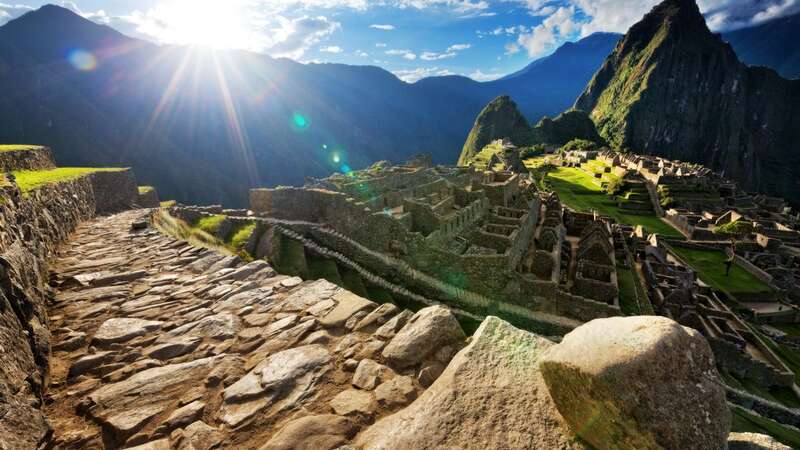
x,y
673,88
500,119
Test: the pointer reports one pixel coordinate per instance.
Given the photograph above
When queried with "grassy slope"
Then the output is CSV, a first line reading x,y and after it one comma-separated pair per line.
x,y
210,224
145,189
28,180
576,189
710,266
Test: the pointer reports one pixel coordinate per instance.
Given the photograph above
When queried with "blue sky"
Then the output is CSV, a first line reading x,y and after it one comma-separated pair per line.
x,y
482,39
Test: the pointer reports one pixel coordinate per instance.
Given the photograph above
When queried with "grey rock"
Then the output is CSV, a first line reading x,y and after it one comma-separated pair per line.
x,y
376,318
354,402
638,382
123,329
398,391
370,373
428,330
395,324
348,305
318,432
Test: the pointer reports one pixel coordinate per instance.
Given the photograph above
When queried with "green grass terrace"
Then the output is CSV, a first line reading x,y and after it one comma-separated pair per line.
x,y
710,267
18,147
578,191
28,180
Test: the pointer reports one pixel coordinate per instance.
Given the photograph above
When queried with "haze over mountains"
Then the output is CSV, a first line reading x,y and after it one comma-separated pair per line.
x,y
206,125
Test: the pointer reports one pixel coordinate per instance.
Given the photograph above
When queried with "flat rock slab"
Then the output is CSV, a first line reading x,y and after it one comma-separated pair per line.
x,y
123,329
348,305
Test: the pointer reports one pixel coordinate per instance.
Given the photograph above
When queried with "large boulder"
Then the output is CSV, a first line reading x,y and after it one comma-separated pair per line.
x,y
490,396
640,382
428,330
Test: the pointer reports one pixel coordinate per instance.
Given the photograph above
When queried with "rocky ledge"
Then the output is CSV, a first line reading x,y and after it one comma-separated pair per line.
x,y
159,345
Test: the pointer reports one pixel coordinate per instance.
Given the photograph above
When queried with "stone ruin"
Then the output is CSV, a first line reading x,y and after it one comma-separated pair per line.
x,y
116,335
464,237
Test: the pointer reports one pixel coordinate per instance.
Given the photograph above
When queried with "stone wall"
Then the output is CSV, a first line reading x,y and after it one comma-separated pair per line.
x,y
114,191
148,197
737,362
31,227
34,158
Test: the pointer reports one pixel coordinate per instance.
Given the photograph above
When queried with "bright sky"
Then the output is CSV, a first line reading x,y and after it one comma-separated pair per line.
x,y
483,39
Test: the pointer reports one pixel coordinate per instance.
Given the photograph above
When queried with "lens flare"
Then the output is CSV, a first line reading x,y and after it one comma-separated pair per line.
x,y
82,60
336,158
300,122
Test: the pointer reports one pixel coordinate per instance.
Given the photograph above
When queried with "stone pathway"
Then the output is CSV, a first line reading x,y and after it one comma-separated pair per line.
x,y
162,345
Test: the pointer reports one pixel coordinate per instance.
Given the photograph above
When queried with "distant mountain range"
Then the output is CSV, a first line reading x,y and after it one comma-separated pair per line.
x,y
204,126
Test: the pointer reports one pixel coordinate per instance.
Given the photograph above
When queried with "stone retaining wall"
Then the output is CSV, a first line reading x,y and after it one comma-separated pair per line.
x,y
31,228
34,158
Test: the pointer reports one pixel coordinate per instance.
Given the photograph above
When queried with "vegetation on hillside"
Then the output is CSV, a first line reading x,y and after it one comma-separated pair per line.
x,y
573,124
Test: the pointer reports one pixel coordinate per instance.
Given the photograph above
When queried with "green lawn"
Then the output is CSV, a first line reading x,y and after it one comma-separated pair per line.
x,y
577,190
745,422
710,267
17,147
28,180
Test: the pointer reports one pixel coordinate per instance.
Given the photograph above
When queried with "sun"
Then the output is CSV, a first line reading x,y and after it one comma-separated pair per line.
x,y
208,23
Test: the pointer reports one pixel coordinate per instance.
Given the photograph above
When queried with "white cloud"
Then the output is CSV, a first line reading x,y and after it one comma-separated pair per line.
x,y
361,54
9,12
432,56
512,48
407,54
458,47
553,31
380,44
414,75
383,27
331,49
619,15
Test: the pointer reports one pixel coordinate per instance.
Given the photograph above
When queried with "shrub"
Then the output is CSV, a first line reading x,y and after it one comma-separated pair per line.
x,y
579,144
530,152
735,228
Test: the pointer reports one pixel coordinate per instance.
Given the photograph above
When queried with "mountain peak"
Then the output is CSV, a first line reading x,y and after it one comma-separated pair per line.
x,y
52,31
675,89
500,119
